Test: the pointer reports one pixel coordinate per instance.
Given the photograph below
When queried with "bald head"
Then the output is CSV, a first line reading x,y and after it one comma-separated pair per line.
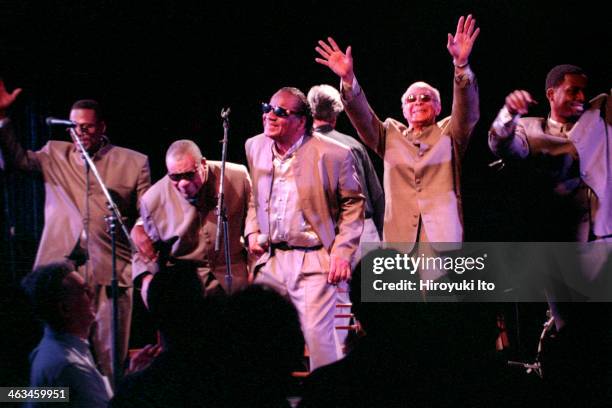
x,y
181,148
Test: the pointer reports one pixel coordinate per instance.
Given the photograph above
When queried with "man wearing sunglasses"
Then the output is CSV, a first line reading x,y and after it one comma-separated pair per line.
x,y
307,218
70,195
422,160
179,221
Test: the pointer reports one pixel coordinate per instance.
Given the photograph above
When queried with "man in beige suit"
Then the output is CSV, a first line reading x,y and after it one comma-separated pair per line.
x,y
422,161
179,221
572,146
308,214
572,150
326,106
67,229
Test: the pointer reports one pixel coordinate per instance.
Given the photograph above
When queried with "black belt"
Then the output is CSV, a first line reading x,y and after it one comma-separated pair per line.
x,y
284,246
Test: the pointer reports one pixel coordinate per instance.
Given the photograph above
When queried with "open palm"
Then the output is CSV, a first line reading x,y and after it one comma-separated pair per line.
x,y
341,63
460,45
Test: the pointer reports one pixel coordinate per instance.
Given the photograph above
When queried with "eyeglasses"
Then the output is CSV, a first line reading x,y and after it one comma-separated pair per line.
x,y
278,111
188,175
421,98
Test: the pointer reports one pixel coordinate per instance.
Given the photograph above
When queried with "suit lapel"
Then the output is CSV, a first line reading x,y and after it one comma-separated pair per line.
x,y
303,173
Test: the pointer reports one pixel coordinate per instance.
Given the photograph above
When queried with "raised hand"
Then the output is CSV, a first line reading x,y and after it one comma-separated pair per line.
x,y
7,99
518,102
341,63
460,45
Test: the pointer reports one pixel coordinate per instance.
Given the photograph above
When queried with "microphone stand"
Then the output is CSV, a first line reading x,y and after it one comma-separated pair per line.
x,y
536,367
221,209
112,219
86,222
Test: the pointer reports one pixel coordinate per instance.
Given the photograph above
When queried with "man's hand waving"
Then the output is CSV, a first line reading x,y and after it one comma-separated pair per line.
x,y
460,45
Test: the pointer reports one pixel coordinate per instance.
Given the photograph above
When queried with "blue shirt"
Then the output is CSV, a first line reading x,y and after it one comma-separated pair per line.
x,y
64,360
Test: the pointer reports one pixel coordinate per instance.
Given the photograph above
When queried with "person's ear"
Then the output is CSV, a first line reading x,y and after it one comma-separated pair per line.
x,y
303,122
437,108
550,94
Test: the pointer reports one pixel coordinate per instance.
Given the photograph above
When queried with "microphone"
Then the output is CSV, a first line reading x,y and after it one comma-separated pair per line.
x,y
60,122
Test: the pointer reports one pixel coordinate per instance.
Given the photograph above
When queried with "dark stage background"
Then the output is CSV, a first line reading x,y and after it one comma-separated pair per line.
x,y
163,71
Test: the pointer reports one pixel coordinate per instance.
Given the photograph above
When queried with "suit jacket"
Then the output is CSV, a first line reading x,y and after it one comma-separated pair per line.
x,y
126,175
183,231
421,171
585,155
372,190
592,136
328,189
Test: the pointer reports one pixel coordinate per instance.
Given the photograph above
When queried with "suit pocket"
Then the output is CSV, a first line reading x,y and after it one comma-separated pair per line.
x,y
316,262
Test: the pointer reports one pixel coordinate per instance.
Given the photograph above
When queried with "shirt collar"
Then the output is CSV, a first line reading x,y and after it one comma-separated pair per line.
x,y
66,338
289,152
558,128
324,128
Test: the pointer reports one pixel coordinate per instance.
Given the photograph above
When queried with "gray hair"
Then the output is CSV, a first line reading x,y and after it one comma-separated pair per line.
x,y
421,84
184,147
325,102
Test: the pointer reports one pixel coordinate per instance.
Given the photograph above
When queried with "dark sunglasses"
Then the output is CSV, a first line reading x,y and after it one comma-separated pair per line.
x,y
422,98
188,175
278,111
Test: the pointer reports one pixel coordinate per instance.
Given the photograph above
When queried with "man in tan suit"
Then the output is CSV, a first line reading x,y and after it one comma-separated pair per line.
x,y
326,106
572,150
179,221
308,214
422,160
569,146
68,231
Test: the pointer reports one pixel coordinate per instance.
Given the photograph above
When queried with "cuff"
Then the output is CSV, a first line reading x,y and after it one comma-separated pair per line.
x,y
464,74
349,92
504,123
506,117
